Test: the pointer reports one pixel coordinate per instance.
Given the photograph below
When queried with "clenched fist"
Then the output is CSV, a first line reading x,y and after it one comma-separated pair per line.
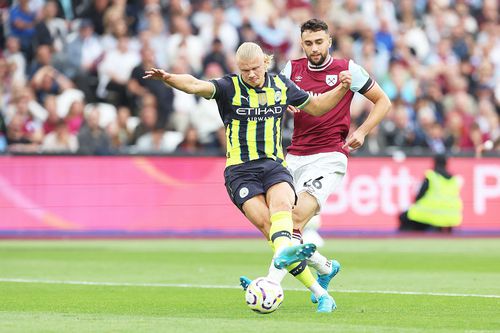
x,y
345,78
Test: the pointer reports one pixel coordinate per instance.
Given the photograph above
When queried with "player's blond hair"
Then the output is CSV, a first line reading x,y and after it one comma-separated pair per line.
x,y
249,51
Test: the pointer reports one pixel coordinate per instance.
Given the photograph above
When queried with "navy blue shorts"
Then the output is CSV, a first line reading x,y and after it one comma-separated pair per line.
x,y
245,181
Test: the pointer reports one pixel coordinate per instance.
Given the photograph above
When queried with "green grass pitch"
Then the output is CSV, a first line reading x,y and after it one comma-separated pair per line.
x,y
385,285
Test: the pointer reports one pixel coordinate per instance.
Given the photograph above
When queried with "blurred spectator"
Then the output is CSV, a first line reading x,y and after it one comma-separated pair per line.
x,y
95,10
347,16
156,36
148,121
182,44
51,30
16,60
217,27
191,143
205,118
272,37
47,80
435,139
216,55
381,9
116,27
43,58
60,140
23,103
158,141
140,87
92,139
114,72
375,59
22,22
50,105
184,104
247,34
397,129
438,206
399,83
75,118
84,52
239,13
384,37
151,7
120,131
19,138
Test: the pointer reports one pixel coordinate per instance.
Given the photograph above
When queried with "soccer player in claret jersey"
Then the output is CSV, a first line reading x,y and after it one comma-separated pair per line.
x,y
317,156
251,106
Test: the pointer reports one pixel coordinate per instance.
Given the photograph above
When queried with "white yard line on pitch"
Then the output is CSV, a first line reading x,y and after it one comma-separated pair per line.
x,y
213,286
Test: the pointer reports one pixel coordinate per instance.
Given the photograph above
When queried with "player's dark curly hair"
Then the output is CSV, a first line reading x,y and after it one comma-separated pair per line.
x,y
314,25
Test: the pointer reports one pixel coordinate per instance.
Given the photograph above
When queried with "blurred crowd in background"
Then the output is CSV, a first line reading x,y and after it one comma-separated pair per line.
x,y
71,71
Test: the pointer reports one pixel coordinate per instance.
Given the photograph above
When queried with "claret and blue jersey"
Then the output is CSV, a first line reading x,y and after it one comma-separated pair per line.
x,y
314,135
253,116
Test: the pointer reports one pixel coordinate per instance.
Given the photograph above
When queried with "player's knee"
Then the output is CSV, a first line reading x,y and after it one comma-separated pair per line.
x,y
281,207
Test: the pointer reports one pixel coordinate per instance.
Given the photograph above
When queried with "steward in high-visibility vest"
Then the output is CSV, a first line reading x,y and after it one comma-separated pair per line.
x,y
441,205
438,205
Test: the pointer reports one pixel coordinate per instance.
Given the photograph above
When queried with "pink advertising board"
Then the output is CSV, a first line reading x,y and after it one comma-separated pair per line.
x,y
183,196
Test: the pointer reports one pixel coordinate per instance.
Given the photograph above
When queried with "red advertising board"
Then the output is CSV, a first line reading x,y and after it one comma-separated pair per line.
x,y
61,195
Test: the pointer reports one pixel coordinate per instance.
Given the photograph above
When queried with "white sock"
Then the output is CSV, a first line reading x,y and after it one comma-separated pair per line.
x,y
317,290
275,274
320,263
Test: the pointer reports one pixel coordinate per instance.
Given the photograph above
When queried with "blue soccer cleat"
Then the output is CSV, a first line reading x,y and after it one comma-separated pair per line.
x,y
245,282
326,304
293,254
324,280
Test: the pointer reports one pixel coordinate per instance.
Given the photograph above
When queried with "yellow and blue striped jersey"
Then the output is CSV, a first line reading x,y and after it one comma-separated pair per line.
x,y
253,116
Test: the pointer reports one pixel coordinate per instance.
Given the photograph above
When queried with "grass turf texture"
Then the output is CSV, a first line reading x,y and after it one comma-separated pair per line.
x,y
459,266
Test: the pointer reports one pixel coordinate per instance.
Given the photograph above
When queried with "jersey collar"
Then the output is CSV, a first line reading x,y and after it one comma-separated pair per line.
x,y
321,67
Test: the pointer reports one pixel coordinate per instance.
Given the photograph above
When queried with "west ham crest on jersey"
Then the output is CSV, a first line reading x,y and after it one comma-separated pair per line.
x,y
331,80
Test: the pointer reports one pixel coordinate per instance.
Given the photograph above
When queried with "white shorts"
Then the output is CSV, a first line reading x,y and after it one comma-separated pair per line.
x,y
319,174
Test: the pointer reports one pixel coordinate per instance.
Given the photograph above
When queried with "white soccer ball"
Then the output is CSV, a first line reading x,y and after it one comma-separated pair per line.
x,y
264,295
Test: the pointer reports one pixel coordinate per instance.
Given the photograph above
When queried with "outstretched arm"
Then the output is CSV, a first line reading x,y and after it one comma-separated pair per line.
x,y
185,82
382,105
319,105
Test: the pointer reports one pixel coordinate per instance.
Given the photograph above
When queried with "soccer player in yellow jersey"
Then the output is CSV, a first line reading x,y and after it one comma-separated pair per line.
x,y
251,106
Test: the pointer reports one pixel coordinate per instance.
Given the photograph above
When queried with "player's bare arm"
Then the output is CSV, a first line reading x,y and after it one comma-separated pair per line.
x,y
382,105
185,82
319,105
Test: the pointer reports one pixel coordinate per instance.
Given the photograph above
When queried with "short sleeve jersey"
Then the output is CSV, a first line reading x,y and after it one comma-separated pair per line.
x,y
327,133
253,116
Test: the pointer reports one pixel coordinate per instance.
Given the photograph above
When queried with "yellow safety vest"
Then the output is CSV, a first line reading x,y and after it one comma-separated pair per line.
x,y
441,205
